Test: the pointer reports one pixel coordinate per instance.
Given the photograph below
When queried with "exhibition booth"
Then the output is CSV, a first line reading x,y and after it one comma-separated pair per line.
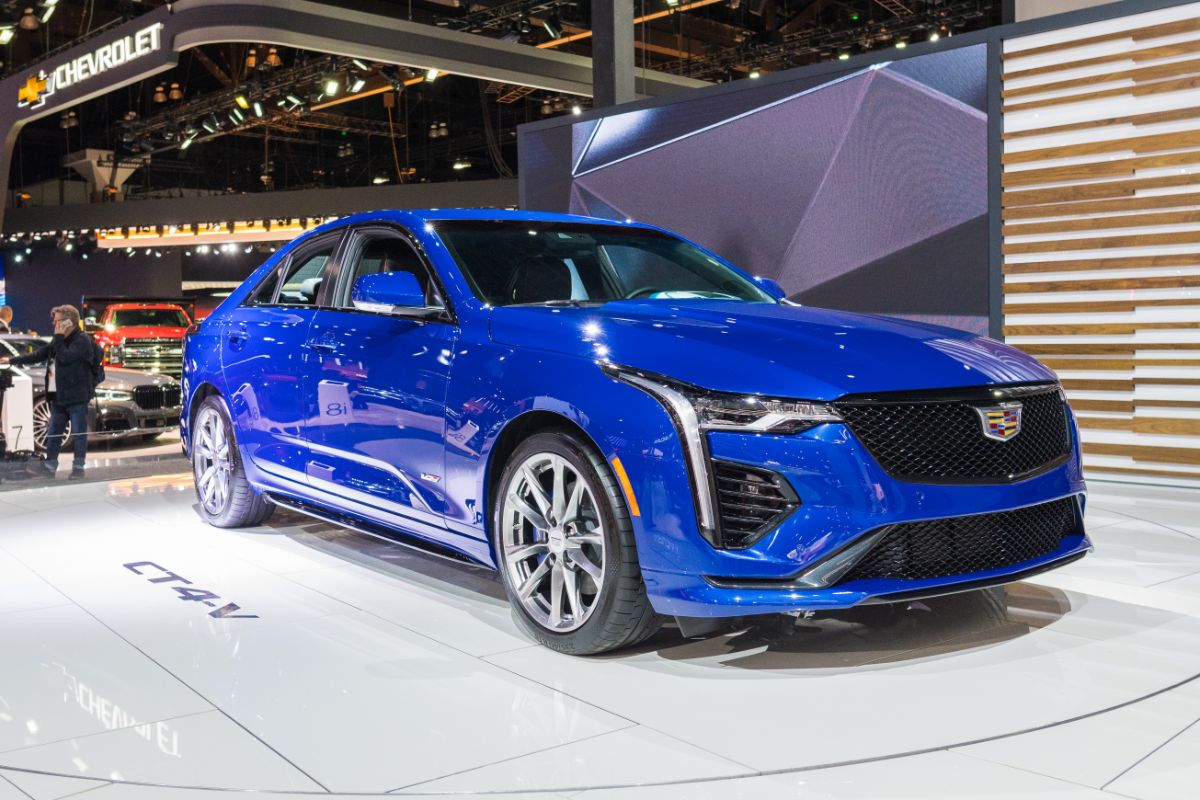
x,y
1032,183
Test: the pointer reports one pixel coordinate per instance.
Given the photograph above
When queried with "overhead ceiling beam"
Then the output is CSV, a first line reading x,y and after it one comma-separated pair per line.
x,y
213,67
670,12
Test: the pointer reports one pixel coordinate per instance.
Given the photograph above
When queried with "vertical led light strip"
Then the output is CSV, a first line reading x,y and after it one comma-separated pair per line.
x,y
1101,231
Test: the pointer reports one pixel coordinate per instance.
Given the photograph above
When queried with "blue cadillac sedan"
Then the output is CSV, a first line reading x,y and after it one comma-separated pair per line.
x,y
622,424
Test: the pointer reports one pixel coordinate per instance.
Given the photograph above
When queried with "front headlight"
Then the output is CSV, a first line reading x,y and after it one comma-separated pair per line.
x,y
722,411
115,395
695,411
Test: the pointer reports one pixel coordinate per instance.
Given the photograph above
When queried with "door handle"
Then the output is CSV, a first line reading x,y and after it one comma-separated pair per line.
x,y
238,336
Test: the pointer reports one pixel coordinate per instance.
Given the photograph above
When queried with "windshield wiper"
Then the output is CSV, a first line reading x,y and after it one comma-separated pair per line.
x,y
563,303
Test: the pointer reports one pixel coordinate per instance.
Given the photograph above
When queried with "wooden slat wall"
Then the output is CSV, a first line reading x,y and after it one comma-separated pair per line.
x,y
1101,234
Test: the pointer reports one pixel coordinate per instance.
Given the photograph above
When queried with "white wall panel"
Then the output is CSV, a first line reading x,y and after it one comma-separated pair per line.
x,y
1114,309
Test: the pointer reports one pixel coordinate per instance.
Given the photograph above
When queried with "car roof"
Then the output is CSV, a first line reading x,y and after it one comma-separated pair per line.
x,y
420,216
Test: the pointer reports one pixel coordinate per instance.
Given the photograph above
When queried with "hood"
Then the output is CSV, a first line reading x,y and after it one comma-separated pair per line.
x,y
760,348
143,332
125,379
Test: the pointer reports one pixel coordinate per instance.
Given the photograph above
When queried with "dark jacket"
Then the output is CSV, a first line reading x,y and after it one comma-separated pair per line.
x,y
73,355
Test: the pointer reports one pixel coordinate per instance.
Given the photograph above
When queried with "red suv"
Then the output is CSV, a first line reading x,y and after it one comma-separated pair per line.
x,y
145,336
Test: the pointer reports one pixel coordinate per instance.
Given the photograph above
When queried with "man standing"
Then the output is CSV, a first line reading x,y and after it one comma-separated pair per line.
x,y
69,357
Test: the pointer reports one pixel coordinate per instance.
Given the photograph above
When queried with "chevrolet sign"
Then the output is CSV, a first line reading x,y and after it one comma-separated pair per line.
x,y
115,54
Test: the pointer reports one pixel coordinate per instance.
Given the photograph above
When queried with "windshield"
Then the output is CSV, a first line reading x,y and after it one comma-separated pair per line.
x,y
149,318
19,347
515,262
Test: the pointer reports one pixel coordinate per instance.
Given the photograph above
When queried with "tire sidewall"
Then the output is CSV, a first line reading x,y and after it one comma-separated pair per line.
x,y
613,515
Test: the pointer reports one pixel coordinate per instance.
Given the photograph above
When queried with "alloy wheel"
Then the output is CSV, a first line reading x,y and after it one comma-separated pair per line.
x,y
212,463
553,542
41,425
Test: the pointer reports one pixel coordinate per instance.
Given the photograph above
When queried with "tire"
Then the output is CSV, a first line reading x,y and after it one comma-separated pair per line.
x,y
41,425
225,498
557,555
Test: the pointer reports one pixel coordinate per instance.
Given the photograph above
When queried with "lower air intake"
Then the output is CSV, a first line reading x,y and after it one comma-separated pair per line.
x,y
962,545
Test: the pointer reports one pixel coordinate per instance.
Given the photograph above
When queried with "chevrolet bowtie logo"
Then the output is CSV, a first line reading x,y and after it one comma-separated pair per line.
x,y
31,93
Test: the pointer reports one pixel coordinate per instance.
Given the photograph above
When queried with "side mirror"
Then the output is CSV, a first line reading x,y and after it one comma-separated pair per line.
x,y
397,293
772,287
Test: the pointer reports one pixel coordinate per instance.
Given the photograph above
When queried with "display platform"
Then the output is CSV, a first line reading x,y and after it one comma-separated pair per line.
x,y
300,658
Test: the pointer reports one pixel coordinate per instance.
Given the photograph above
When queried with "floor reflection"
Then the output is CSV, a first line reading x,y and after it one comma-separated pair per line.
x,y
871,636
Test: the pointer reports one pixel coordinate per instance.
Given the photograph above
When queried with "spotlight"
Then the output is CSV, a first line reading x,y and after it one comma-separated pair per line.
x,y
553,26
755,74
236,116
844,55
176,92
242,101
332,85
461,163
934,36
258,109
576,109
273,59
360,64
211,123
6,34
431,75
186,143
28,21
49,12
160,94
357,85
901,44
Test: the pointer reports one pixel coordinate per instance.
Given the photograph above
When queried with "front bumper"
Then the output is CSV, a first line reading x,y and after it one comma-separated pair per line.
x,y
844,495
115,420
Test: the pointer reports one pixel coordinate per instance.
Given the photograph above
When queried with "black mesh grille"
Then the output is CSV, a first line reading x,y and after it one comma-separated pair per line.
x,y
936,440
152,398
750,501
962,545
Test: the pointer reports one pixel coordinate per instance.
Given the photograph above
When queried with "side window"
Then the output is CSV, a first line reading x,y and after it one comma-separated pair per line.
x,y
389,253
264,295
304,274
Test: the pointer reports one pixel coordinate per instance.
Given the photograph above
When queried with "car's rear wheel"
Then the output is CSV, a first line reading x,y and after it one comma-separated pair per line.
x,y
226,498
564,542
41,425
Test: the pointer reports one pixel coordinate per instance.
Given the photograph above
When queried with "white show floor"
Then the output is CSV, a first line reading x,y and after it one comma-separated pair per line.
x,y
371,669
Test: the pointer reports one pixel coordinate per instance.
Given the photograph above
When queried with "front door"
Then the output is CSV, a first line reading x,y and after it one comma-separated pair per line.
x,y
263,359
376,389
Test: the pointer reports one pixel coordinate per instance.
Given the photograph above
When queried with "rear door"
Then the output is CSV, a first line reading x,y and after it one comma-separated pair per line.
x,y
376,389
263,357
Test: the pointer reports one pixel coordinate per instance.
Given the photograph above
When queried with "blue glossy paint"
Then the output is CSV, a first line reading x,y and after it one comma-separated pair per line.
x,y
394,420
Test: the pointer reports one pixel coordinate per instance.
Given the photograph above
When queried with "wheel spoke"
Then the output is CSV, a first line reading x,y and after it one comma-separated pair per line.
x,y
571,584
535,489
558,499
530,585
587,565
522,552
527,511
556,595
572,511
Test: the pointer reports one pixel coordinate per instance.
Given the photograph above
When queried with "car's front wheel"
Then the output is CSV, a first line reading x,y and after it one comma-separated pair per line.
x,y
227,500
41,425
564,541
